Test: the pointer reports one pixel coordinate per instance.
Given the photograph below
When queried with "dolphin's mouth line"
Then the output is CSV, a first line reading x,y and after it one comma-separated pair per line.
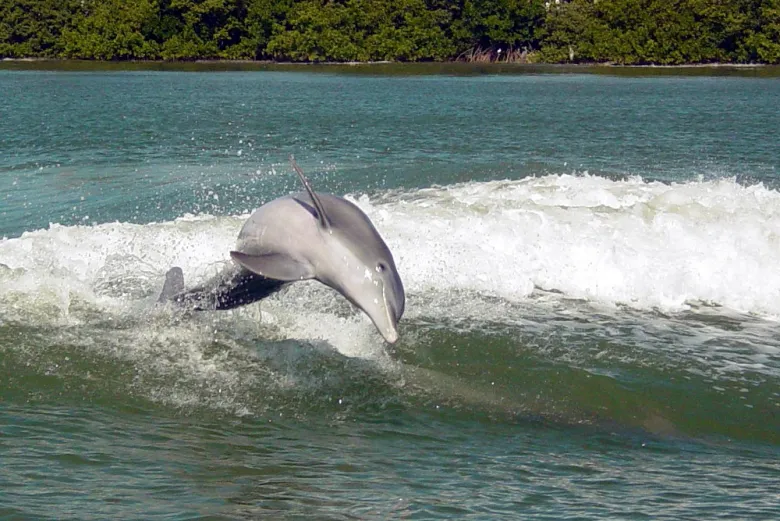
x,y
391,332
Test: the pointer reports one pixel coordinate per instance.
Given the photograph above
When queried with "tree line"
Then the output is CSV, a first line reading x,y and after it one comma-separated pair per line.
x,y
555,31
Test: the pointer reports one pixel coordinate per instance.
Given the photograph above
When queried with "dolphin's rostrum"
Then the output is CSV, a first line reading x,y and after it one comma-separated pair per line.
x,y
306,235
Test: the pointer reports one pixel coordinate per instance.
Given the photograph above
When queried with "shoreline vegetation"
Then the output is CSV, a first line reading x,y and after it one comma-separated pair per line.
x,y
606,32
389,68
226,61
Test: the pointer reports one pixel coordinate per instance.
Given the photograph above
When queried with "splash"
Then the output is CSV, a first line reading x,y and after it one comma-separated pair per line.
x,y
541,264
644,245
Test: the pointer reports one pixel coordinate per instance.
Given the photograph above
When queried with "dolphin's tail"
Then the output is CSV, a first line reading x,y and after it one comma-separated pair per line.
x,y
174,284
229,289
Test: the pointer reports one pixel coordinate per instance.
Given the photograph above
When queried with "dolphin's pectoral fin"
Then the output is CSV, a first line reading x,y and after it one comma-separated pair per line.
x,y
174,284
274,266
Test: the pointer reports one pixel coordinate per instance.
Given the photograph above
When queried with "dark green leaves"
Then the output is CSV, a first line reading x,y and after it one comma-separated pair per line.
x,y
619,31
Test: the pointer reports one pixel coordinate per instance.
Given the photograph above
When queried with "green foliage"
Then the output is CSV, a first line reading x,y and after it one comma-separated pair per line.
x,y
762,44
619,31
33,27
500,23
111,29
361,30
263,18
201,28
410,31
659,31
570,30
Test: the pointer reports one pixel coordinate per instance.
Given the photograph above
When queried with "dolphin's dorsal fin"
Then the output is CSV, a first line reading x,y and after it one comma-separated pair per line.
x,y
323,218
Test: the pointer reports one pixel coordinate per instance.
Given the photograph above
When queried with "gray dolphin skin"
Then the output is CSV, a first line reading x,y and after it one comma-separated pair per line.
x,y
307,235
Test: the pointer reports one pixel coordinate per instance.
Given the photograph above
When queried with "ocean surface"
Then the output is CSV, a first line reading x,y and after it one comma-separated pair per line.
x,y
592,266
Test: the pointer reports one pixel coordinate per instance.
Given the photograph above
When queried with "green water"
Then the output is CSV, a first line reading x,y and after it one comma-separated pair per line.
x,y
592,295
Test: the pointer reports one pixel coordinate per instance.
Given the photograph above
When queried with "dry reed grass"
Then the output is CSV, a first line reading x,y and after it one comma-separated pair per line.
x,y
496,55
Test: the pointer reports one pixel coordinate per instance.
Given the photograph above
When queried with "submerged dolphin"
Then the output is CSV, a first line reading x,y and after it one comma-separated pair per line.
x,y
306,235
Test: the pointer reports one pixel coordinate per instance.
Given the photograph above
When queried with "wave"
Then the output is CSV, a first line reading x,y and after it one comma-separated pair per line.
x,y
649,246
645,245
558,281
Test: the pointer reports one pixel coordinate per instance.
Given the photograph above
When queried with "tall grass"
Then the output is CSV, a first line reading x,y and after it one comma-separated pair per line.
x,y
496,55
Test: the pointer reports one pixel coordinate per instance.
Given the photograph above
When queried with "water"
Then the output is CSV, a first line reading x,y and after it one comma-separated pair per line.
x,y
592,315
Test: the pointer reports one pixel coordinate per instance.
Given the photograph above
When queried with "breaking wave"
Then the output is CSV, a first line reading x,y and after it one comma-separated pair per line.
x,y
546,263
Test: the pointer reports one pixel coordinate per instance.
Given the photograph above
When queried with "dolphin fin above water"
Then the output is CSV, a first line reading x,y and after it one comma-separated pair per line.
x,y
174,284
230,289
322,217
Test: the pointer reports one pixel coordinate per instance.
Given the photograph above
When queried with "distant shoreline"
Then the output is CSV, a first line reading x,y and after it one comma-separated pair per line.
x,y
390,68
368,63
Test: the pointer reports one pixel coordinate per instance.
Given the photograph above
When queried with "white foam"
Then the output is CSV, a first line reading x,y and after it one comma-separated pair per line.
x,y
646,245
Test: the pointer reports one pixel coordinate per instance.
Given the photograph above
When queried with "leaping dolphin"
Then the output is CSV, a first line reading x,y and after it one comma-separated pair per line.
x,y
307,235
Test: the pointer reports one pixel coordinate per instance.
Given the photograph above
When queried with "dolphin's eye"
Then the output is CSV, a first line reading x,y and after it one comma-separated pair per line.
x,y
380,267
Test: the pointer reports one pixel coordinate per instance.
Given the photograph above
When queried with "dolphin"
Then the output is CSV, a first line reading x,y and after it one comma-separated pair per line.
x,y
306,235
